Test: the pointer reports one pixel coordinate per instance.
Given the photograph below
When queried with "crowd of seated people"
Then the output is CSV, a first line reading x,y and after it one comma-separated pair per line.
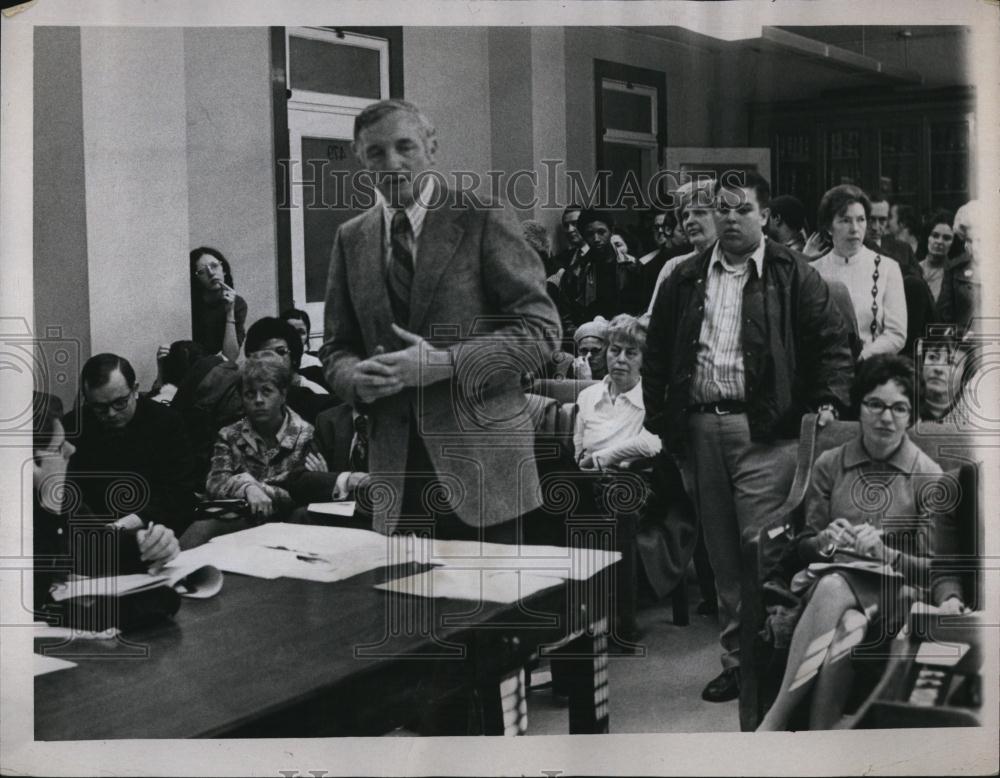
x,y
245,412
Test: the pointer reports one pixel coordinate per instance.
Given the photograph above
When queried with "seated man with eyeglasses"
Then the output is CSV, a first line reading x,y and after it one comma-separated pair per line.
x,y
305,397
134,461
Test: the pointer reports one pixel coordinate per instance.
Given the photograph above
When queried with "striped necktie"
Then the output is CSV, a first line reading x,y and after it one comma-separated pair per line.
x,y
400,275
359,451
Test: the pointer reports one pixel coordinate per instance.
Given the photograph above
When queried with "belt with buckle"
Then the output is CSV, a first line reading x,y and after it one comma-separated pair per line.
x,y
720,408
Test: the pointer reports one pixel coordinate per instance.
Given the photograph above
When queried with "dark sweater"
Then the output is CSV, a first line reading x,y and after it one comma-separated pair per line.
x,y
147,468
208,323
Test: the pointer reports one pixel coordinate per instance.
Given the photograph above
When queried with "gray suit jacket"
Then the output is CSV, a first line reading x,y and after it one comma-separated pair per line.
x,y
479,292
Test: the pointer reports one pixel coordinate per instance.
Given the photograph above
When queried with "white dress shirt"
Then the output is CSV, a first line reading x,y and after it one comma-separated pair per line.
x,y
610,429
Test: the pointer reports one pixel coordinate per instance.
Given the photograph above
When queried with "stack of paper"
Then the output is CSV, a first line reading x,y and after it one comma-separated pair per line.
x,y
187,574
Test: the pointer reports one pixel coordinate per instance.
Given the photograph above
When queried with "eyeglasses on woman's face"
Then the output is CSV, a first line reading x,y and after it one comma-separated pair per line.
x,y
208,269
876,407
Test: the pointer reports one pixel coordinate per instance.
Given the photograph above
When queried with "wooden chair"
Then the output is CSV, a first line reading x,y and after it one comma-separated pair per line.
x,y
565,390
555,421
954,452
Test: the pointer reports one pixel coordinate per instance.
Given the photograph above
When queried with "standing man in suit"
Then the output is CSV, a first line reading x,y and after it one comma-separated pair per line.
x,y
434,311
743,340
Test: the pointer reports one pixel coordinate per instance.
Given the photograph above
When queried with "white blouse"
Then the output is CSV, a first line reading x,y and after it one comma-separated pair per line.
x,y
857,274
611,430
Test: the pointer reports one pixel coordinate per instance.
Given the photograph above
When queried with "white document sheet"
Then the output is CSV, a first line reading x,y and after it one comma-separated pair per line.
x,y
506,586
305,551
577,564
337,508
189,576
49,664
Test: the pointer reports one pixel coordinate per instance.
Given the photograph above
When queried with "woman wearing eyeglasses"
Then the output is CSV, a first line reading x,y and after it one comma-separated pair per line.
x,y
853,490
218,314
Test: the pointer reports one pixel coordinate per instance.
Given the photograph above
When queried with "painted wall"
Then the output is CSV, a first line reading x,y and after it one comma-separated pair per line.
x,y
149,142
691,88
511,134
446,72
61,298
548,105
230,158
135,146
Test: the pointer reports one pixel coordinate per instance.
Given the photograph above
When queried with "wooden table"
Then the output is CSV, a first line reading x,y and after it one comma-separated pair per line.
x,y
293,658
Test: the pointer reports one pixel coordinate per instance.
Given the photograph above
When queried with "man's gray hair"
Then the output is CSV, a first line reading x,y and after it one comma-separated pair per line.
x,y
376,112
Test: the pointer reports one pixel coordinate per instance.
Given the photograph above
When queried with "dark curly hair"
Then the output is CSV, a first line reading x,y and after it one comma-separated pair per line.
x,y
880,369
269,328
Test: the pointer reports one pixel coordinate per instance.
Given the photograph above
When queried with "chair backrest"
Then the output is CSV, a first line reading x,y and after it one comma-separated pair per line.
x,y
565,390
813,441
554,425
954,452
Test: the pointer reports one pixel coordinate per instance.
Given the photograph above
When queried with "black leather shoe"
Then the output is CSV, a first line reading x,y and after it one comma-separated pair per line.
x,y
723,688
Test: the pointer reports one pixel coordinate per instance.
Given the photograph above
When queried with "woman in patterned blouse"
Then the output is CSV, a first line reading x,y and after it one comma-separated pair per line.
x,y
873,280
254,457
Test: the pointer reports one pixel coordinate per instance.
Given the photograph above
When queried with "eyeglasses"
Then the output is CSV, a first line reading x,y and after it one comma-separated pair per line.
x,y
589,352
118,404
877,408
939,356
208,269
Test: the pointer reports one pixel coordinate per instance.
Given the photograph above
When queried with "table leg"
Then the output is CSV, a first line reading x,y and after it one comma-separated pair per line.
x,y
502,706
586,667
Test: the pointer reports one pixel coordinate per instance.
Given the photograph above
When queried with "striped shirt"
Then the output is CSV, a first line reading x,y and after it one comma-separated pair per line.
x,y
718,373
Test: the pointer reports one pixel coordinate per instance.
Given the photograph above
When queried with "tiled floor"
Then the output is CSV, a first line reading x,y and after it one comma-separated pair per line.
x,y
658,692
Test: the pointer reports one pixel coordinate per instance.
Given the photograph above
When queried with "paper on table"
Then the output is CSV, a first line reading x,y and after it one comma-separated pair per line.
x,y
44,631
49,664
200,580
506,586
339,508
309,537
571,563
309,552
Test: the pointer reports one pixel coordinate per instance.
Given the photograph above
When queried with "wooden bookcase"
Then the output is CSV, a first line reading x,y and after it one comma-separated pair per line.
x,y
913,146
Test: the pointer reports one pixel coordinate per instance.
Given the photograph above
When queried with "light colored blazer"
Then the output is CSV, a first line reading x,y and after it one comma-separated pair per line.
x,y
479,292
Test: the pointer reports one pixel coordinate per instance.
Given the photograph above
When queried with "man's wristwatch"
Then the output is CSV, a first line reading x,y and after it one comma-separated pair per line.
x,y
829,407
